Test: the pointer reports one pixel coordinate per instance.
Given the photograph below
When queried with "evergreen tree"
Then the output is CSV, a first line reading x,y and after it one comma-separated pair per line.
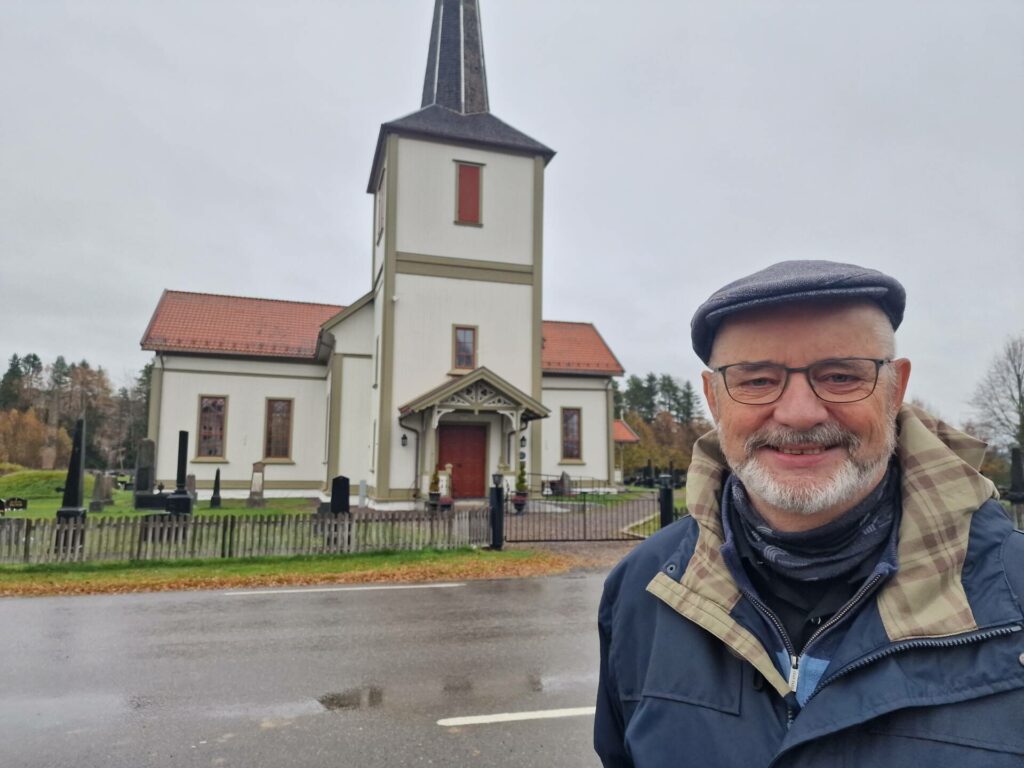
x,y
689,404
11,385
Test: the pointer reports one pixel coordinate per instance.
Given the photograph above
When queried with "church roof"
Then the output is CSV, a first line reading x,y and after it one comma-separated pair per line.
x,y
205,323
577,348
211,324
455,105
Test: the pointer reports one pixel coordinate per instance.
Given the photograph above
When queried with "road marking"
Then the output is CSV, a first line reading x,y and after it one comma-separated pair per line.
x,y
511,717
341,589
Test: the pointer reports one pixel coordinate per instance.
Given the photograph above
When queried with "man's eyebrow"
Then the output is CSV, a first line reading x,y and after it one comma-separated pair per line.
x,y
753,362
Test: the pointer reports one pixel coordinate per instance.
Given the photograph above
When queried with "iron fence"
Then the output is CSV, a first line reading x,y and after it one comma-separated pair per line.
x,y
582,517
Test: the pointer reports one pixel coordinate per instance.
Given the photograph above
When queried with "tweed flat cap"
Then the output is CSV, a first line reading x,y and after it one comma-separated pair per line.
x,y
795,281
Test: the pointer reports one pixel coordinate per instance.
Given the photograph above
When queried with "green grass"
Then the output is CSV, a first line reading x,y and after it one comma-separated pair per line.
x,y
39,487
113,577
602,499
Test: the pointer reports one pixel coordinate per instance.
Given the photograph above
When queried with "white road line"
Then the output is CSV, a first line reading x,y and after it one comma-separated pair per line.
x,y
511,717
307,590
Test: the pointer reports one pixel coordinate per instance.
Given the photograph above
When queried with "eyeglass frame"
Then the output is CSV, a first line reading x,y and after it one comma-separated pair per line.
x,y
879,362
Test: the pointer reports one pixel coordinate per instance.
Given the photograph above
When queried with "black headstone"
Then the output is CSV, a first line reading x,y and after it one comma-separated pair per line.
x,y
1016,494
339,495
180,502
215,498
74,485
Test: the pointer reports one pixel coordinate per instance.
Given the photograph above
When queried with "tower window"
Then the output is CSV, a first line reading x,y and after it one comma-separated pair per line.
x,y
464,356
467,182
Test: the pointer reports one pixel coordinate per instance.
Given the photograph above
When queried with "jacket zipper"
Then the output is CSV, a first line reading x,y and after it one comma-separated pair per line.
x,y
794,658
947,642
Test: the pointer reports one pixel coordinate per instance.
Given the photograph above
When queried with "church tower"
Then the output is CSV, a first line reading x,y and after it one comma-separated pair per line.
x,y
457,271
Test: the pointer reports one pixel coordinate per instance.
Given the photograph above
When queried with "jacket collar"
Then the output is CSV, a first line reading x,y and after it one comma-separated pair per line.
x,y
941,489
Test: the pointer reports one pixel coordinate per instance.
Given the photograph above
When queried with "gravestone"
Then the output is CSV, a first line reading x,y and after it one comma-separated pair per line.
x,y
74,484
179,502
108,490
96,504
566,484
190,487
145,478
215,498
255,499
340,495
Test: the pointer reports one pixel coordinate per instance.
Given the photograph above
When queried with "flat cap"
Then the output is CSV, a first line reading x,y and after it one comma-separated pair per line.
x,y
795,281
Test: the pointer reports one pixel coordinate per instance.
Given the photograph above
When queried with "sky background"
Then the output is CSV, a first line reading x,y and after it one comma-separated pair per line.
x,y
225,145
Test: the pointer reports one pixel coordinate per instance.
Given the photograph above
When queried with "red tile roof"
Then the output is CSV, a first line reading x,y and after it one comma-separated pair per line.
x,y
234,325
623,433
576,348
205,323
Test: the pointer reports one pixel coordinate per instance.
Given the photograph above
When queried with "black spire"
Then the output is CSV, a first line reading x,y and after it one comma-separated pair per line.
x,y
456,78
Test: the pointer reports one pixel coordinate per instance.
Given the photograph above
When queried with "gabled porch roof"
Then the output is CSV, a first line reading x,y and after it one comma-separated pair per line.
x,y
479,390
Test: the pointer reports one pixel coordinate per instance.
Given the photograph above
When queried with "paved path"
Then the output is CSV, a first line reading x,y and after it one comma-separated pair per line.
x,y
311,677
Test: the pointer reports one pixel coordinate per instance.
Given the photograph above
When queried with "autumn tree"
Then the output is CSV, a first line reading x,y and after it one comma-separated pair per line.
x,y
999,398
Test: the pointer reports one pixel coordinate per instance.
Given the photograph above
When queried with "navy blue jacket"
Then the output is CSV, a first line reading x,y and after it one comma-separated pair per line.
x,y
929,671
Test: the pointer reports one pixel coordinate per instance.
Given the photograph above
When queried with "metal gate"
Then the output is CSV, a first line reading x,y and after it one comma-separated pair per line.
x,y
583,517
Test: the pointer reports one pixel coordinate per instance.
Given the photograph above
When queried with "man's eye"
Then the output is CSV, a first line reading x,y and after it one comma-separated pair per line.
x,y
757,382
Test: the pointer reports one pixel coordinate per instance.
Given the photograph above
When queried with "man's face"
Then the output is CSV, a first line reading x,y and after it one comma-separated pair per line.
x,y
804,461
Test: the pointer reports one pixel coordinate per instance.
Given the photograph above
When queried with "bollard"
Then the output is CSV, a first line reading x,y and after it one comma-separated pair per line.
x,y
666,505
497,517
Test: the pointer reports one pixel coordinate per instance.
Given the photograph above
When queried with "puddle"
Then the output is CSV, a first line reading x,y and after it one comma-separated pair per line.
x,y
354,698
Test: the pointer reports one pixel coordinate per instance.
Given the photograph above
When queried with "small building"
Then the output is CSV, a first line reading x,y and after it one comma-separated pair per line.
x,y
445,360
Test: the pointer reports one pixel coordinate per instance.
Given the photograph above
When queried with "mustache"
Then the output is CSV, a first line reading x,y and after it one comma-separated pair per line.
x,y
828,435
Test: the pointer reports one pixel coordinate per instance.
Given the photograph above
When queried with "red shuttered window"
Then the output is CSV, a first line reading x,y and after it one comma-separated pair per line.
x,y
468,203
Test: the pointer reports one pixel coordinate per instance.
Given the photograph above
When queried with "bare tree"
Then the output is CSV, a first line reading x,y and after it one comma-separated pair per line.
x,y
999,398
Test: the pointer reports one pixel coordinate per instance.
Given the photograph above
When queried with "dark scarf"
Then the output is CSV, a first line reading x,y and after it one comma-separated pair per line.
x,y
829,551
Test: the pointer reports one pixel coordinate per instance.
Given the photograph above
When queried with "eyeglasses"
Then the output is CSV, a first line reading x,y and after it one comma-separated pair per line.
x,y
840,380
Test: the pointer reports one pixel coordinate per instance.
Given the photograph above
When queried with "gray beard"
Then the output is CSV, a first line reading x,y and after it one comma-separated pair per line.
x,y
807,497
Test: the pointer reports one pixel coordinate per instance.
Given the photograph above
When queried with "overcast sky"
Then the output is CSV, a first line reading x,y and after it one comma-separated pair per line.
x,y
224,146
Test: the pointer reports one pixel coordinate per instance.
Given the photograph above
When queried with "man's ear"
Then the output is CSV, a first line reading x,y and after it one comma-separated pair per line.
x,y
901,368
708,378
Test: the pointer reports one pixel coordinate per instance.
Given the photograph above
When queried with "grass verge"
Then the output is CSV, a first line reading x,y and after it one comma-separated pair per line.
x,y
422,566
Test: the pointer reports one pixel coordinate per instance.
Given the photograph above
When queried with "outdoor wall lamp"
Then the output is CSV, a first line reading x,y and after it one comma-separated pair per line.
x,y
522,441
405,440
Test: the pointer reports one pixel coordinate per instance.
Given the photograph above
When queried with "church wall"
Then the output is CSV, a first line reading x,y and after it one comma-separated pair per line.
x,y
589,394
354,433
426,204
246,384
425,313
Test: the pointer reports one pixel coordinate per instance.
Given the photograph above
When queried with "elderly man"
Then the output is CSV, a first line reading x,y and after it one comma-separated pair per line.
x,y
846,590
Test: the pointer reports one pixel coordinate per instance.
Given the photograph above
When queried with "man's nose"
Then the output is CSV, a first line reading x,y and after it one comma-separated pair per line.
x,y
799,407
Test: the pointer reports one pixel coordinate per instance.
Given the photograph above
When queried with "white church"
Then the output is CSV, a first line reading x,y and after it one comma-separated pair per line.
x,y
444,362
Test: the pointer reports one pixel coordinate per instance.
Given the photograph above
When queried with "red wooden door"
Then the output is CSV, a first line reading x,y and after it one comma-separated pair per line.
x,y
464,446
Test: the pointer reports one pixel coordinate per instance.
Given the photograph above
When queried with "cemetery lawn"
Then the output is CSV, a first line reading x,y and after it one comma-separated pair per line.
x,y
39,487
390,567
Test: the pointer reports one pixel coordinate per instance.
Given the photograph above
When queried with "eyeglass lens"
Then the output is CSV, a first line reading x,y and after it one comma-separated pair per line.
x,y
837,381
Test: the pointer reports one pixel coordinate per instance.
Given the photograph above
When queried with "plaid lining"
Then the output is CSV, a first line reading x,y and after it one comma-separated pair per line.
x,y
941,491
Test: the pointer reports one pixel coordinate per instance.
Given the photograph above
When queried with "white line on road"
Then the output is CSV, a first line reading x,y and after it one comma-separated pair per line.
x,y
341,589
511,717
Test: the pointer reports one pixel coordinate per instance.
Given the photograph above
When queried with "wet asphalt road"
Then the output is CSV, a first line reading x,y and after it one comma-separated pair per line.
x,y
344,678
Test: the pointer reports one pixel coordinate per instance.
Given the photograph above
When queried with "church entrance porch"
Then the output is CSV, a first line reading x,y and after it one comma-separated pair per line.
x,y
476,423
464,446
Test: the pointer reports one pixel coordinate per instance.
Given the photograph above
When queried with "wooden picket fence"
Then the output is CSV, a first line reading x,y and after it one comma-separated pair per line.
x,y
167,537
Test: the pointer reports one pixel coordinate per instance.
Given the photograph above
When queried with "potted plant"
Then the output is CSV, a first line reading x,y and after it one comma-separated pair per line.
x,y
434,492
519,497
